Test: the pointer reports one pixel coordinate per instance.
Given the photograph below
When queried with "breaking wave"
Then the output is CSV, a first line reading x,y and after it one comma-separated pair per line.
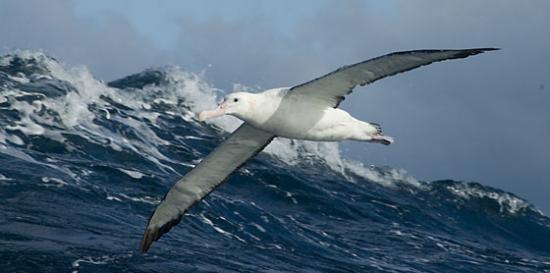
x,y
83,163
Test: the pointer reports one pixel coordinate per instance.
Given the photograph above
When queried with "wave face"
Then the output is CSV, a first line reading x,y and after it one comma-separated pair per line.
x,y
83,164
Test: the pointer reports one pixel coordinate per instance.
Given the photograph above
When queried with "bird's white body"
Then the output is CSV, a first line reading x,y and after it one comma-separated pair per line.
x,y
291,116
288,116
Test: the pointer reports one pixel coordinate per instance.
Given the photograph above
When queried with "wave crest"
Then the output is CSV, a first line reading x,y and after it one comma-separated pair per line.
x,y
43,97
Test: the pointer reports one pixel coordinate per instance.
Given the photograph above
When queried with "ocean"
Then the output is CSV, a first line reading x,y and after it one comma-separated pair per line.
x,y
83,164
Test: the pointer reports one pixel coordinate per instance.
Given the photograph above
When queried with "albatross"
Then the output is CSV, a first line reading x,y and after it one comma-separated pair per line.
x,y
308,111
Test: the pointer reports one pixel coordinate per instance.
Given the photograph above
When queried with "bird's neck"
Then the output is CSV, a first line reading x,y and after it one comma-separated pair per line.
x,y
260,108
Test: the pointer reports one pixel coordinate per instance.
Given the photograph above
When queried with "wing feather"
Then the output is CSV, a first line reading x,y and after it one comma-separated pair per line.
x,y
210,173
331,88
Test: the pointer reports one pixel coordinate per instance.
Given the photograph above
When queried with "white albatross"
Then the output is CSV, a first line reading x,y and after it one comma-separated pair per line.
x,y
307,111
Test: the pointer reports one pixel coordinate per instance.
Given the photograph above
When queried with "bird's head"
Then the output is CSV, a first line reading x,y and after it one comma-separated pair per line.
x,y
235,104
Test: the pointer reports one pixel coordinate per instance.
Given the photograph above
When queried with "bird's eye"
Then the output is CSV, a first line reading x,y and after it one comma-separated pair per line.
x,y
235,100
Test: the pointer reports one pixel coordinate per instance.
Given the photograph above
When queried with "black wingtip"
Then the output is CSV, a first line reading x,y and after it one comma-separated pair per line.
x,y
474,51
488,48
150,235
481,50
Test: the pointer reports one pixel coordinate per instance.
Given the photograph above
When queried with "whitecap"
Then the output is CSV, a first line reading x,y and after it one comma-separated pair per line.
x,y
216,228
52,181
144,199
185,93
507,202
132,174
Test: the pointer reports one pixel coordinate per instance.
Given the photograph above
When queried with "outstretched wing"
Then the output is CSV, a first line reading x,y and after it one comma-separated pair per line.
x,y
243,144
331,88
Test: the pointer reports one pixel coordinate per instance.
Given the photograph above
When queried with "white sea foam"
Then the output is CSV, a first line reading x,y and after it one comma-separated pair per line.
x,y
216,228
98,260
14,139
3,177
72,113
4,180
113,198
53,182
507,202
19,78
144,199
132,174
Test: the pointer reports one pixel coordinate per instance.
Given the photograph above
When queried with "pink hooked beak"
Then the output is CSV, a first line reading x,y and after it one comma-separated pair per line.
x,y
208,114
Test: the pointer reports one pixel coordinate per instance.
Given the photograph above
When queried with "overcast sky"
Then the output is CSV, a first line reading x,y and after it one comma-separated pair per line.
x,y
485,118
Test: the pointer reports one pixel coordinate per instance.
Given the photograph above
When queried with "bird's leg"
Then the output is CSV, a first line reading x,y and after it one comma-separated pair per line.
x,y
382,139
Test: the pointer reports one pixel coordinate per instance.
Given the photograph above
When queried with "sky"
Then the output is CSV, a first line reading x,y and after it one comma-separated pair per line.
x,y
484,119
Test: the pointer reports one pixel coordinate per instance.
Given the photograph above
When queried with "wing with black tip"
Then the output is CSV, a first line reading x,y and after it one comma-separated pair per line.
x,y
330,89
210,173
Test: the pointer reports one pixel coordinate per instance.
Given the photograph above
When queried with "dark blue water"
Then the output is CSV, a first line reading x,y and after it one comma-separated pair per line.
x,y
83,164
